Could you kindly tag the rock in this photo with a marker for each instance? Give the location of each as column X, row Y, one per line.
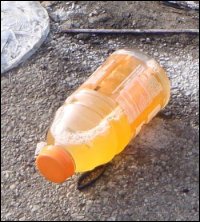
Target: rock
column 7, row 216
column 35, row 208
column 142, row 40
column 76, row 25
column 100, row 18
column 59, row 15
column 67, row 25
column 12, row 187
column 113, row 218
column 80, row 217
column 148, row 40
column 21, row 134
column 125, row 15
column 93, row 13
column 22, row 218
column 156, row 54
column 83, row 36
column 134, row 23
column 6, row 174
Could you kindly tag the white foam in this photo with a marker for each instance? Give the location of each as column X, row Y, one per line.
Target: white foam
column 68, row 137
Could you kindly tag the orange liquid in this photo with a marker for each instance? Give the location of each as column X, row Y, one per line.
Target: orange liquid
column 100, row 118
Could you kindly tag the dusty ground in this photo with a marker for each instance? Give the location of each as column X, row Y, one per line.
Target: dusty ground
column 157, row 176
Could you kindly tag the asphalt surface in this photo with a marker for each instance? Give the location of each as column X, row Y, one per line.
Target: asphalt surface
column 155, row 178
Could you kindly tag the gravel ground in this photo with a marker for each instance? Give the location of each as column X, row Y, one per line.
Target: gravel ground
column 156, row 177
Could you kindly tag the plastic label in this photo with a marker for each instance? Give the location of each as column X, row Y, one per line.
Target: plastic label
column 139, row 92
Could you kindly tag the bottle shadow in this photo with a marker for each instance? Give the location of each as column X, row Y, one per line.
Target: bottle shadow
column 161, row 159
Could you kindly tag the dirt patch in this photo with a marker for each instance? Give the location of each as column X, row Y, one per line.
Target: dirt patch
column 121, row 14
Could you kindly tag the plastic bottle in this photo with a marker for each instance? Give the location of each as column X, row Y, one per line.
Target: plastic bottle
column 100, row 118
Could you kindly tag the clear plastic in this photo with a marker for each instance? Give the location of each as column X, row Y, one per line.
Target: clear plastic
column 24, row 27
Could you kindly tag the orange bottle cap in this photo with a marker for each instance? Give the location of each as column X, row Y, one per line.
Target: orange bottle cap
column 55, row 164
